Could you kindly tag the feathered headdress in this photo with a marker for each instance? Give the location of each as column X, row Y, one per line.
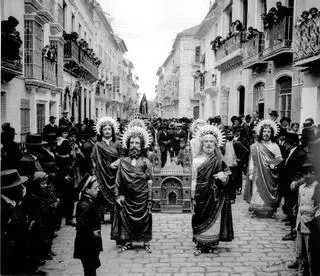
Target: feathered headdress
column 195, row 123
column 136, row 131
column 106, row 121
column 213, row 130
column 268, row 122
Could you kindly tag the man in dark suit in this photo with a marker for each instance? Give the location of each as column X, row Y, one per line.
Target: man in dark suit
column 236, row 158
column 64, row 121
column 179, row 134
column 164, row 139
column 296, row 157
column 50, row 128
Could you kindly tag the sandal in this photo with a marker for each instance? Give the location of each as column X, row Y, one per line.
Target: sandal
column 125, row 247
column 197, row 252
column 147, row 247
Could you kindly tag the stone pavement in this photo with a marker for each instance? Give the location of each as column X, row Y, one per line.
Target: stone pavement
column 256, row 250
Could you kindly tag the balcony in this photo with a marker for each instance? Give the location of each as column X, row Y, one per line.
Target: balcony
column 278, row 42
column 10, row 50
column 210, row 85
column 307, row 43
column 252, row 52
column 229, row 55
column 79, row 60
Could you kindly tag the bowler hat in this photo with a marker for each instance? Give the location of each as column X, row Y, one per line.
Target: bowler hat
column 11, row 178
column 34, row 140
column 274, row 113
column 234, row 118
column 52, row 117
column 65, row 111
column 292, row 138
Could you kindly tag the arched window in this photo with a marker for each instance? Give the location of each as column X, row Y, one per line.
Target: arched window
column 284, row 89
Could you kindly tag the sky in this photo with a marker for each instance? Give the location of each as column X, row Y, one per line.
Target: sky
column 149, row 28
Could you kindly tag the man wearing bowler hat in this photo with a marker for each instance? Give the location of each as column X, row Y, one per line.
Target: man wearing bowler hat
column 288, row 173
column 64, row 121
column 32, row 160
column 274, row 115
column 50, row 128
column 14, row 224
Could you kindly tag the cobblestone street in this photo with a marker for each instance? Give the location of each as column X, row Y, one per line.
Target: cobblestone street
column 256, row 250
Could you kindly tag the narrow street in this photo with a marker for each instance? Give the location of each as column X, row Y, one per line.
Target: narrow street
column 256, row 250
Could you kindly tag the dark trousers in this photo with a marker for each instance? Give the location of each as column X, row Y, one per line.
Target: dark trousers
column 66, row 194
column 236, row 181
column 90, row 265
column 289, row 207
column 163, row 158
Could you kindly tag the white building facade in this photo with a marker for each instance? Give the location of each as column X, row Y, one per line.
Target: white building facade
column 63, row 55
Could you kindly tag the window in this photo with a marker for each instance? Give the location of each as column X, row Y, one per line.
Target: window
column 116, row 84
column 258, row 95
column 33, row 49
column 285, row 93
column 72, row 23
column 245, row 13
column 3, row 107
column 197, row 54
column 241, row 90
column 80, row 30
column 40, row 117
column 64, row 15
column 228, row 12
column 25, row 116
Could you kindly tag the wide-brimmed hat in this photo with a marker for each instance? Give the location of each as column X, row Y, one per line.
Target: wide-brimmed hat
column 52, row 117
column 35, row 140
column 307, row 166
column 50, row 138
column 274, row 113
column 11, row 178
column 65, row 111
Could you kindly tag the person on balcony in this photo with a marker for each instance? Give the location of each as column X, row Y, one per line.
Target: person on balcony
column 283, row 11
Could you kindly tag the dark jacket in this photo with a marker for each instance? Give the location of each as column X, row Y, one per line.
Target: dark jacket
column 242, row 154
column 164, row 140
column 49, row 129
column 289, row 169
column 88, row 220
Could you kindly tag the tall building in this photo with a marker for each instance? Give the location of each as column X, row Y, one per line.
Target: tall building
column 175, row 89
column 253, row 61
column 61, row 55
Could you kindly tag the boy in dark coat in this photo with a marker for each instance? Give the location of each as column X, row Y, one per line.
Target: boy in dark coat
column 88, row 242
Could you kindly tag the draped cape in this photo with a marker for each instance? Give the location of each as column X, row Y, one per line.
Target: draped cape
column 103, row 155
column 135, row 220
column 211, row 202
column 265, row 179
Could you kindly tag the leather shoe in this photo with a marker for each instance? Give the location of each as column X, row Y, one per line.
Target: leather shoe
column 70, row 222
column 293, row 265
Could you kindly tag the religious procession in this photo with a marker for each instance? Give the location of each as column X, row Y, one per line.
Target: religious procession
column 197, row 159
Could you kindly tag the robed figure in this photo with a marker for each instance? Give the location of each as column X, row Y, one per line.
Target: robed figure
column 144, row 105
column 263, row 171
column 134, row 191
column 212, row 218
column 106, row 151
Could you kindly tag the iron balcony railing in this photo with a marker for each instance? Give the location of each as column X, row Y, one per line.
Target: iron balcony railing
column 253, row 49
column 307, row 39
column 231, row 45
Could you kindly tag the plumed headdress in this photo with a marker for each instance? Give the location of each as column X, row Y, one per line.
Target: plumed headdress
column 268, row 122
column 213, row 130
column 136, row 131
column 106, row 121
column 195, row 123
